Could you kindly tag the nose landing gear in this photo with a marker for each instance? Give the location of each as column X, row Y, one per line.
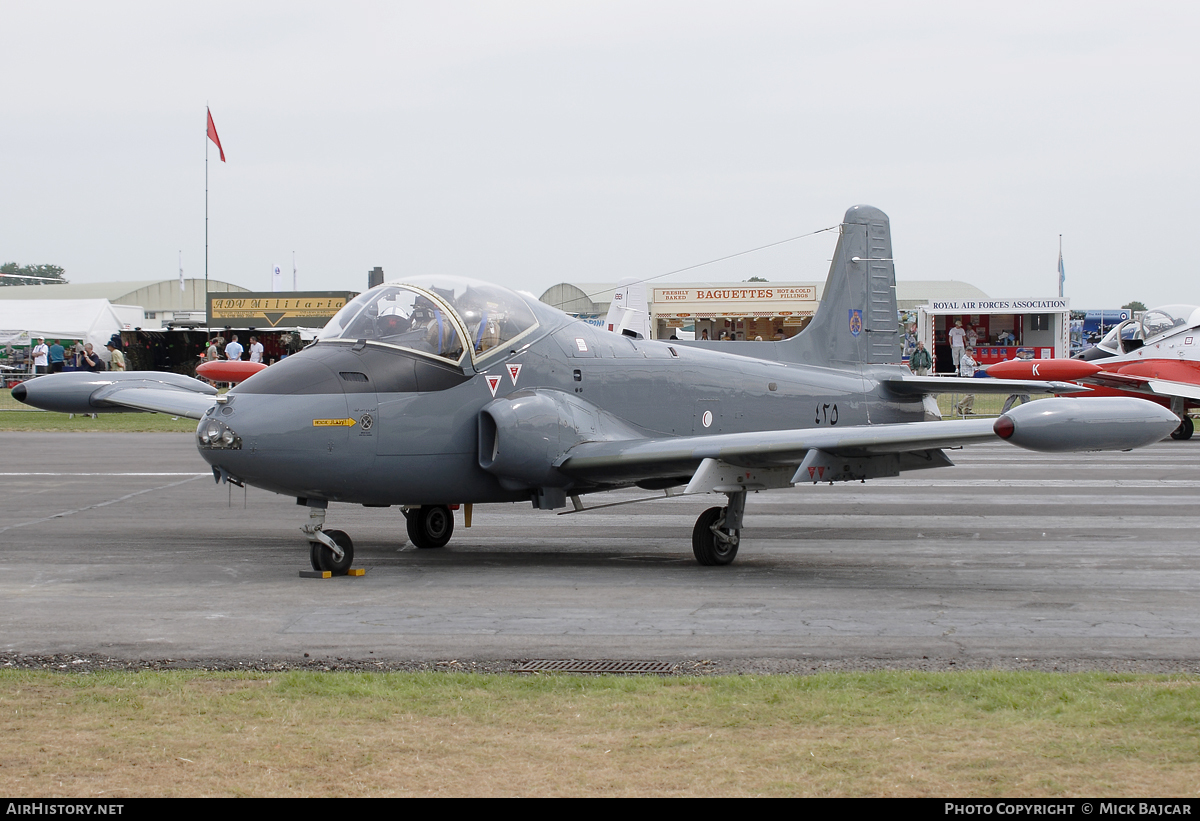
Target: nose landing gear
column 323, row 557
column 330, row 550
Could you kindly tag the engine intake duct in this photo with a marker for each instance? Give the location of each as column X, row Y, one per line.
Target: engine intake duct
column 523, row 435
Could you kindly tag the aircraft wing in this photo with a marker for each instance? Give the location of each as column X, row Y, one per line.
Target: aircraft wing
column 1143, row 384
column 159, row 400
column 680, row 456
column 151, row 391
column 1054, row 425
column 913, row 385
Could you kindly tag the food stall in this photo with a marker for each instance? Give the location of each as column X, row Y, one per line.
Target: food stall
column 1003, row 328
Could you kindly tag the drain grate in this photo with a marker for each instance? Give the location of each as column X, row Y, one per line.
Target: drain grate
column 601, row 666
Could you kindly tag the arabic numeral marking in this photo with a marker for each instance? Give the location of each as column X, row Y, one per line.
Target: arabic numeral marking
column 826, row 413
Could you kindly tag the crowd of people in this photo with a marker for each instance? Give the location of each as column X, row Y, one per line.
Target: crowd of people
column 55, row 357
column 218, row 348
column 962, row 350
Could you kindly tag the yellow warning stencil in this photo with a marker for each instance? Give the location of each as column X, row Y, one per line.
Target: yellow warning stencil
column 333, row 423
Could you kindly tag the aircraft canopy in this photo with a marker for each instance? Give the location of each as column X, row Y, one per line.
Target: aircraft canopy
column 434, row 316
column 1133, row 333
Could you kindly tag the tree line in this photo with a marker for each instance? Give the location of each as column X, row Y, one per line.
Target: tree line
column 16, row 274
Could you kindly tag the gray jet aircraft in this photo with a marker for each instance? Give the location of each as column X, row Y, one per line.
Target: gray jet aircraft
column 438, row 393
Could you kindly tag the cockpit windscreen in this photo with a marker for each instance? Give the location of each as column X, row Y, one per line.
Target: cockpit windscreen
column 434, row 318
column 1160, row 320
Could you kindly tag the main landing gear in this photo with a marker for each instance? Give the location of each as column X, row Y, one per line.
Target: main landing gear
column 1185, row 429
column 718, row 531
column 430, row 526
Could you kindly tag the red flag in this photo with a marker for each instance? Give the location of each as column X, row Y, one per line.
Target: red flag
column 212, row 135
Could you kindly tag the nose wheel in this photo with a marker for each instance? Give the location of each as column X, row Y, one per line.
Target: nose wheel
column 430, row 526
column 328, row 550
column 322, row 558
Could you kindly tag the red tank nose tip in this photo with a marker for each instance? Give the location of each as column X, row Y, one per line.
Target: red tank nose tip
column 1004, row 427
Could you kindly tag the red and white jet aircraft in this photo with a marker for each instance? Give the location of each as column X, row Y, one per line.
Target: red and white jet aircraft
column 1156, row 357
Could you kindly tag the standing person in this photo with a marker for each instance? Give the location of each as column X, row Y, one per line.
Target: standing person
column 212, row 353
column 966, row 367
column 117, row 361
column 41, row 354
column 958, row 342
column 920, row 362
column 89, row 360
column 1014, row 399
column 58, row 357
column 256, row 350
column 234, row 349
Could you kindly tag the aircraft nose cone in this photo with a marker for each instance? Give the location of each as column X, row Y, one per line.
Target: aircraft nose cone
column 19, row 392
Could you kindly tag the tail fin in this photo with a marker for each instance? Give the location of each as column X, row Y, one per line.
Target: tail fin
column 856, row 321
column 629, row 313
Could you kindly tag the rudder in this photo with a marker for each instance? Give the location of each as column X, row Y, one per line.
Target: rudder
column 856, row 321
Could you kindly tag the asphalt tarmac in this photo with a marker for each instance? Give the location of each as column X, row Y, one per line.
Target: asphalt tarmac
column 120, row 547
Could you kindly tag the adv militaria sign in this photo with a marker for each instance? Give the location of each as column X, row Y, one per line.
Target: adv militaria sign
column 306, row 309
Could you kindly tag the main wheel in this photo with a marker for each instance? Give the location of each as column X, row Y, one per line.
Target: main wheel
column 322, row 557
column 430, row 526
column 708, row 549
column 1185, row 429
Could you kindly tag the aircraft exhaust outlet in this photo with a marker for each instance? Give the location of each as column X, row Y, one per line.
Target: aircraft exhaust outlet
column 1100, row 423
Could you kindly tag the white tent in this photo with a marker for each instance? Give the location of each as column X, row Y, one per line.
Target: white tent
column 88, row 320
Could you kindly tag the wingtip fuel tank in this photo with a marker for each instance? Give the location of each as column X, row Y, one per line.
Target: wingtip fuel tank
column 1101, row 423
column 232, row 371
column 1050, row 370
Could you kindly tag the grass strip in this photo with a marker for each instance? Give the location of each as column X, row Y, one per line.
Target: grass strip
column 982, row 734
column 41, row 421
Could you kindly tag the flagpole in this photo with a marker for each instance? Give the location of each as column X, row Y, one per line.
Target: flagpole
column 1061, row 274
column 206, row 216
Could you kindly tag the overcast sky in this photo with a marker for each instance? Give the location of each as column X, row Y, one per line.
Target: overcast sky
column 530, row 143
